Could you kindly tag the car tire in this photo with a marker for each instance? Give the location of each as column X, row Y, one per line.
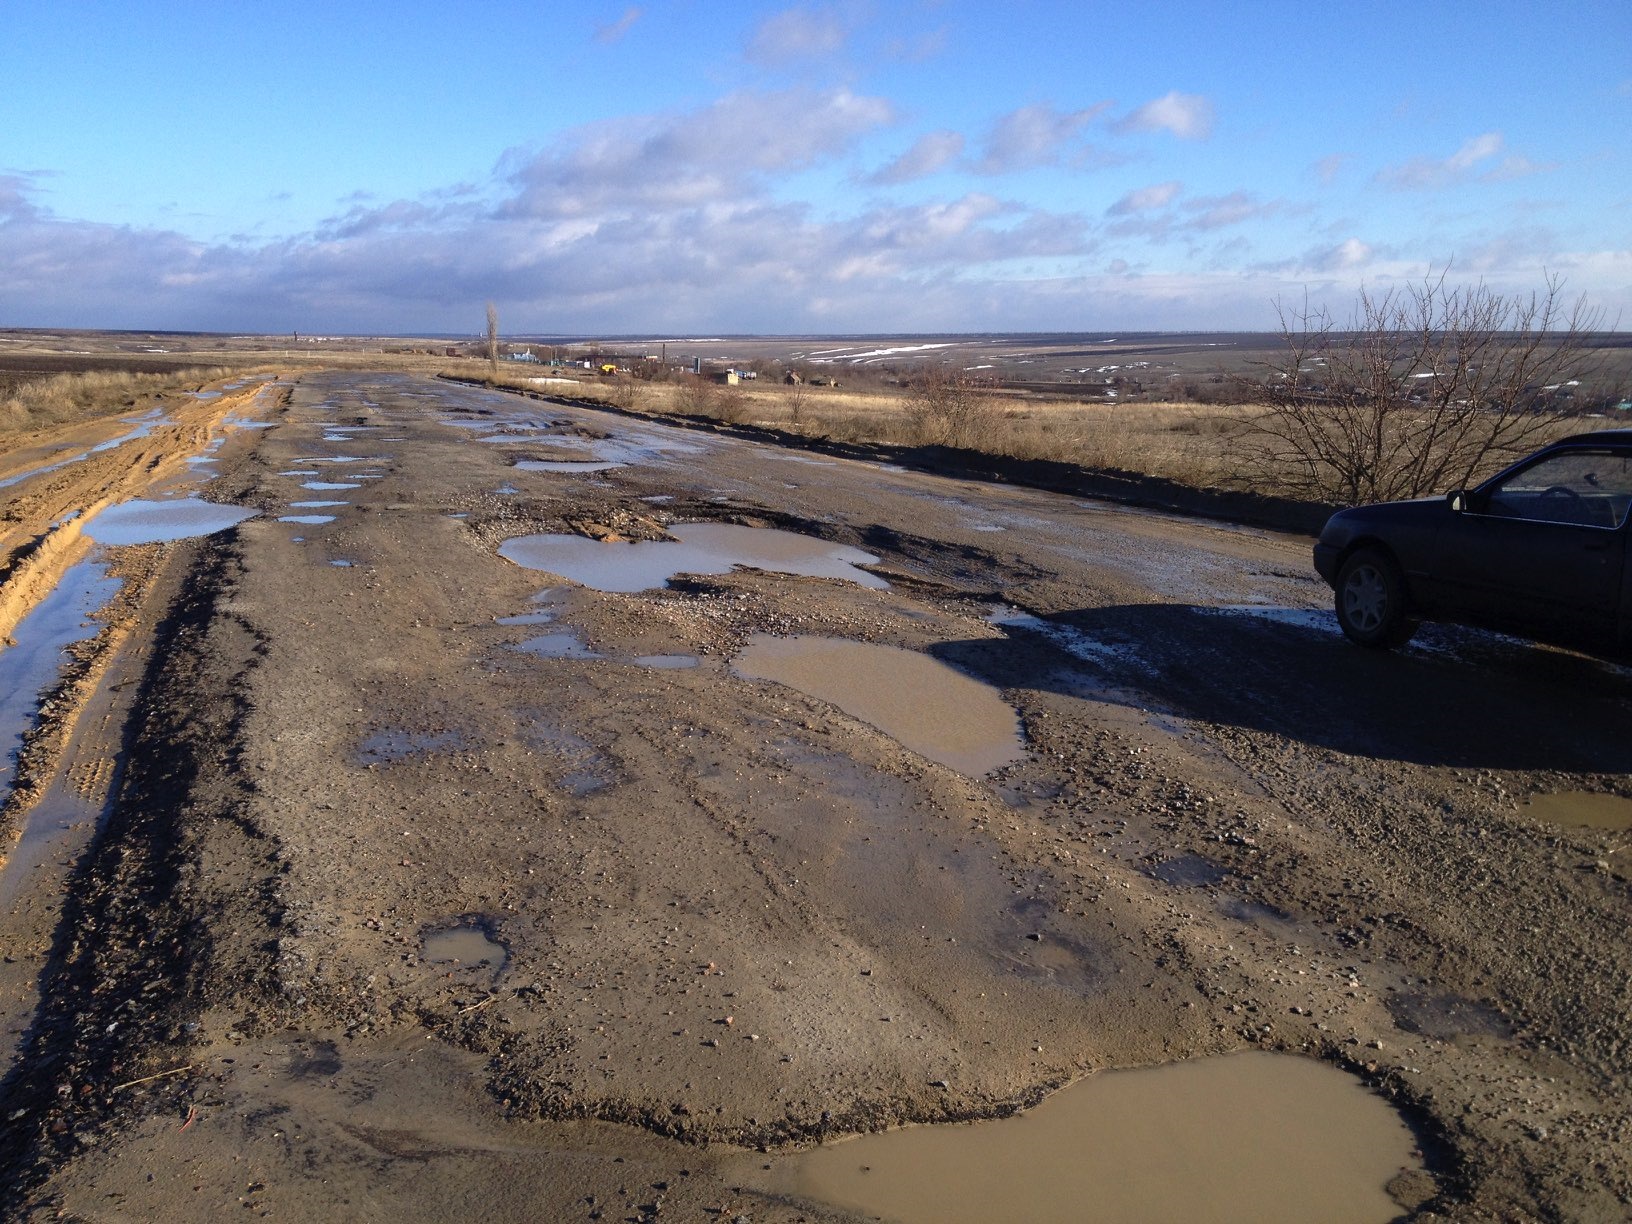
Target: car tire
column 1371, row 600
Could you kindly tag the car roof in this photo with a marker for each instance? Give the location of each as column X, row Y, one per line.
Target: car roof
column 1599, row 437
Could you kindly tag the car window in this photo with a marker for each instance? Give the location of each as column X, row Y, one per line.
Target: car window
column 1591, row 488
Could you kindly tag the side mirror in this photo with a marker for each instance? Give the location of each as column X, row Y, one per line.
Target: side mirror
column 1457, row 500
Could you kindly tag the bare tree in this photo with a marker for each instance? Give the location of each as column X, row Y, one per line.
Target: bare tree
column 1429, row 386
column 797, row 398
column 493, row 341
column 950, row 407
column 730, row 405
column 696, row 396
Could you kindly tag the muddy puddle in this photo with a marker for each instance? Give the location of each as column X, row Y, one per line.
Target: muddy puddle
column 61, row 819
column 543, row 608
column 36, row 657
column 667, row 662
column 1246, row 1137
column 526, row 618
column 700, row 548
column 1582, row 810
column 565, row 465
column 563, row 645
column 329, row 486
column 581, row 768
column 308, row 520
column 155, row 522
column 1190, row 871
column 466, row 947
column 144, row 424
column 395, row 744
column 922, row 703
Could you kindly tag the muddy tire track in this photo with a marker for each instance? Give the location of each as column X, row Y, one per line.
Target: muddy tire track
column 141, row 929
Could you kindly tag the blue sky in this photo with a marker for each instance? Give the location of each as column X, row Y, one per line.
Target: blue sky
column 862, row 165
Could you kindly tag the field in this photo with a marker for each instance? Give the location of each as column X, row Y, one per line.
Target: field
column 1161, row 405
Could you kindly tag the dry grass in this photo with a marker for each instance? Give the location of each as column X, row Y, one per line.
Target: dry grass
column 63, row 398
column 1198, row 445
column 1184, row 442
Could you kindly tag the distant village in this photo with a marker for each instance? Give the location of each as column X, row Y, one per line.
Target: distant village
column 651, row 366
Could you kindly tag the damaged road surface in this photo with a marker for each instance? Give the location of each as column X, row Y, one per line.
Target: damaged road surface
column 540, row 813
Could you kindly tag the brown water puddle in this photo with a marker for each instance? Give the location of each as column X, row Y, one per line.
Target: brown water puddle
column 931, row 708
column 465, row 946
column 1247, row 1137
column 697, row 548
column 1583, row 810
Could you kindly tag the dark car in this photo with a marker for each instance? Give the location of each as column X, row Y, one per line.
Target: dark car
column 1539, row 550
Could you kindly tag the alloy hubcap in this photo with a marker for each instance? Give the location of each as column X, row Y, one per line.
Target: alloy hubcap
column 1365, row 599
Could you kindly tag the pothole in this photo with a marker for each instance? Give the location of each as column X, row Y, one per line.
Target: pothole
column 1583, row 810
column 920, row 702
column 698, row 548
column 394, row 744
column 1246, row 1137
column 666, row 662
column 155, row 522
column 464, row 946
column 564, row 645
column 1190, row 870
column 565, row 465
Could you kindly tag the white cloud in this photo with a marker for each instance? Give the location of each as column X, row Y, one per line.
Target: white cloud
column 613, row 31
column 679, row 220
column 930, row 153
column 1471, row 162
column 1474, row 151
column 1187, row 116
column 710, row 155
column 1145, row 199
column 796, row 33
column 1349, row 254
column 1515, row 166
column 1328, row 168
column 915, row 48
column 15, row 204
column 1032, row 136
column 1216, row 212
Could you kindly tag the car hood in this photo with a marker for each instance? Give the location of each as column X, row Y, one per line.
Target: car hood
column 1420, row 511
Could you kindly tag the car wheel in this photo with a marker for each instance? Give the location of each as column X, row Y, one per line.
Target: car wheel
column 1370, row 601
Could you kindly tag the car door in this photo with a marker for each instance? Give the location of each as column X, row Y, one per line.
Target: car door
column 1541, row 550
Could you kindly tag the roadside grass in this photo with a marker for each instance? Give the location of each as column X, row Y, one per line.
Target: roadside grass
column 59, row 399
column 1200, row 446
column 1184, row 442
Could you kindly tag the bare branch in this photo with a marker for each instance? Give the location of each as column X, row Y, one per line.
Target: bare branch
column 1431, row 386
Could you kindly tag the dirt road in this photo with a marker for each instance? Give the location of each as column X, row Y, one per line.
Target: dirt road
column 440, row 883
